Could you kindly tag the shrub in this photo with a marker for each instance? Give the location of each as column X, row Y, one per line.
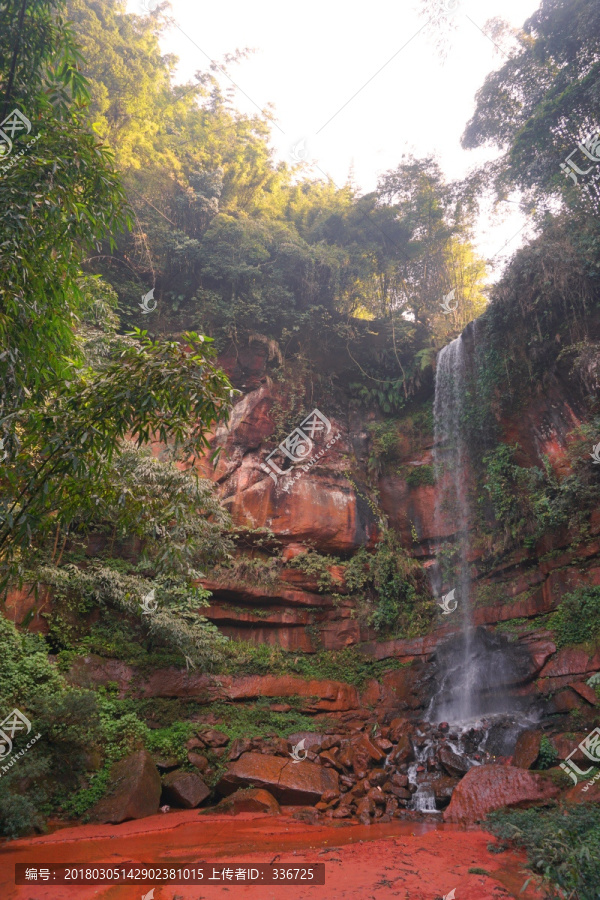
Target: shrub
column 67, row 719
column 415, row 476
column 547, row 756
column 403, row 605
column 317, row 566
column 577, row 619
column 347, row 665
column 562, row 844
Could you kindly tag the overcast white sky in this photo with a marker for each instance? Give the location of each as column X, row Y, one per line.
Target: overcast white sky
column 312, row 57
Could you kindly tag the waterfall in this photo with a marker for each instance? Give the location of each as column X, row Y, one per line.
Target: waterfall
column 452, row 569
column 475, row 667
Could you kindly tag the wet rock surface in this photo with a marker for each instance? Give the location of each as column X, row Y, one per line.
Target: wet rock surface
column 485, row 788
column 248, row 800
column 527, row 749
column 288, row 781
column 183, row 789
column 133, row 793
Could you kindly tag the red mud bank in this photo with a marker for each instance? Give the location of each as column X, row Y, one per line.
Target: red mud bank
column 406, row 860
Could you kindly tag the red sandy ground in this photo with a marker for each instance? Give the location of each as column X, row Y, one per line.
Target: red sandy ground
column 408, row 860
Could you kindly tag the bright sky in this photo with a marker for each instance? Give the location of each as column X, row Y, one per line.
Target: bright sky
column 355, row 86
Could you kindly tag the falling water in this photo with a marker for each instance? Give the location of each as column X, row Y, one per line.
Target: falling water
column 452, row 570
column 476, row 667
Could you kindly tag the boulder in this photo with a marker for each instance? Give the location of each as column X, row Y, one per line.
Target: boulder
column 198, row 760
column 248, row 800
column 133, row 792
column 399, row 780
column 342, row 812
column 400, row 792
column 239, row 746
column 164, row 763
column 366, row 746
column 404, row 752
column 214, row 738
column 184, row 789
column 527, row 749
column 565, row 744
column 584, row 690
column 290, row 782
column 485, row 788
column 312, row 739
column 360, row 762
column 365, row 808
column 443, row 787
column 452, row 762
column 330, row 757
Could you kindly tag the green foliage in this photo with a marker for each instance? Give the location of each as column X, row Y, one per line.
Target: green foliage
column 348, row 665
column 402, row 603
column 540, row 103
column 66, row 447
column 243, row 720
column 56, row 210
column 384, row 444
column 388, row 586
column 250, row 571
column 388, row 396
column 513, row 627
column 547, row 756
column 67, row 719
column 528, row 502
column 316, row 565
column 562, row 844
column 122, row 731
column 253, row 251
column 416, row 476
column 70, row 393
column 176, row 622
column 577, row 619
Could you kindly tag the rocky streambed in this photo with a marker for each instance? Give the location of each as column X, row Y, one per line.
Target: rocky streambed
column 368, row 774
